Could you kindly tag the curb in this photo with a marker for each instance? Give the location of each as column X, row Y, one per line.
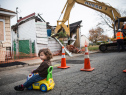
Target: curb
column 27, row 64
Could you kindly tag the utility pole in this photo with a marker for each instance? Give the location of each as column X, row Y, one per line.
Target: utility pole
column 17, row 45
column 17, row 22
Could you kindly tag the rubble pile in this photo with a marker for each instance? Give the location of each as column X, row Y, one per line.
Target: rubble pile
column 73, row 49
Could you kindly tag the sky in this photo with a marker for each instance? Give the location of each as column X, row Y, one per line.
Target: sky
column 50, row 10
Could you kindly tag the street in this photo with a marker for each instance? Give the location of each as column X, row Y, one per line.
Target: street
column 106, row 79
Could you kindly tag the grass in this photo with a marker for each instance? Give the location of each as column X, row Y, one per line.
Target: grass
column 93, row 48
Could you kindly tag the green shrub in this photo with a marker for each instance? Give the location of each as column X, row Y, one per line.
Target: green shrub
column 62, row 34
column 98, row 43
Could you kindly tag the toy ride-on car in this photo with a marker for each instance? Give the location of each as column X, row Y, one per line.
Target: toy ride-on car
column 45, row 84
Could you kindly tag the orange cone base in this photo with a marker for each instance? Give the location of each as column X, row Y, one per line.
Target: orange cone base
column 124, row 71
column 91, row 69
column 63, row 67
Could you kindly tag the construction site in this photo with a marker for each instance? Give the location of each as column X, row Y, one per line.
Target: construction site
column 41, row 34
column 21, row 43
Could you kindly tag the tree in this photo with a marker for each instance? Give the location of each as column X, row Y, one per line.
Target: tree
column 106, row 21
column 94, row 34
column 103, row 38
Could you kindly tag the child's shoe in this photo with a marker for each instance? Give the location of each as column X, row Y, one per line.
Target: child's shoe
column 19, row 88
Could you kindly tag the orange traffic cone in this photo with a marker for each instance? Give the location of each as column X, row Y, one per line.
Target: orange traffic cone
column 124, row 71
column 87, row 66
column 63, row 60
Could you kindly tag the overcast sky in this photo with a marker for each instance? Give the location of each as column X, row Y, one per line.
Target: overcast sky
column 51, row 10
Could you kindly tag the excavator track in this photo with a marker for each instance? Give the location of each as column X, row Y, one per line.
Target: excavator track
column 110, row 47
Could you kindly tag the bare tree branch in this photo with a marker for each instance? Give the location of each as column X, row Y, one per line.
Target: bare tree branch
column 107, row 21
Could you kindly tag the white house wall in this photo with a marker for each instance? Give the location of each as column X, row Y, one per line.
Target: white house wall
column 14, row 35
column 41, row 35
column 54, row 45
column 42, row 40
column 41, row 32
column 84, row 41
column 37, row 31
column 27, row 30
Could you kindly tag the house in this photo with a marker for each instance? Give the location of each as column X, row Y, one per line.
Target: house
column 5, row 33
column 84, row 41
column 75, row 34
column 30, row 35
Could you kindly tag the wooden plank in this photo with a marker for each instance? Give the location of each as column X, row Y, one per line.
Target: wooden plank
column 41, row 29
column 41, row 35
column 54, row 45
column 41, row 32
column 41, row 23
column 54, row 42
column 54, row 49
column 42, row 46
column 42, row 40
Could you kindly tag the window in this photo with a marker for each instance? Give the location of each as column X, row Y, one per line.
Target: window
column 2, row 30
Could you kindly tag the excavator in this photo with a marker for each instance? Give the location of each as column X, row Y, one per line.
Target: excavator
column 100, row 7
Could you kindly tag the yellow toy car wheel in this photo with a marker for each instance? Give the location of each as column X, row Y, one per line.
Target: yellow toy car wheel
column 43, row 88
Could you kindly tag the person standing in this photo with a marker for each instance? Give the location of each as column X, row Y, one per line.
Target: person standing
column 120, row 41
column 124, row 27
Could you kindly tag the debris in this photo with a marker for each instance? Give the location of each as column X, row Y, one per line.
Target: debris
column 73, row 49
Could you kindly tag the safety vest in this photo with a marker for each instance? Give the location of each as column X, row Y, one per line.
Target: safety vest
column 119, row 35
column 124, row 26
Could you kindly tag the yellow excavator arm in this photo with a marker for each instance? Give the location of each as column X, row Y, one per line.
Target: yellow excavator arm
column 96, row 5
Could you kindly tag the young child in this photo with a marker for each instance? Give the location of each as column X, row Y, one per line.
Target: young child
column 44, row 55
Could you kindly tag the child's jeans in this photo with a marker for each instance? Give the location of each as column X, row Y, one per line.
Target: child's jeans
column 32, row 80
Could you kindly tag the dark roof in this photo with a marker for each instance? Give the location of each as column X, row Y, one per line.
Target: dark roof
column 74, row 25
column 5, row 10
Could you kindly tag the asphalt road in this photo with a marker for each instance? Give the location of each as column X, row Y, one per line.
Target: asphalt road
column 106, row 79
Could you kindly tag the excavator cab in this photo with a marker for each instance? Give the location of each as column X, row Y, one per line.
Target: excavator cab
column 113, row 46
column 119, row 24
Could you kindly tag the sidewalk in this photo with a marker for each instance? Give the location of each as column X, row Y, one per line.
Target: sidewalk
column 8, row 66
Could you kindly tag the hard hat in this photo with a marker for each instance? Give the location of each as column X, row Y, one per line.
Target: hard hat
column 124, row 23
column 119, row 29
